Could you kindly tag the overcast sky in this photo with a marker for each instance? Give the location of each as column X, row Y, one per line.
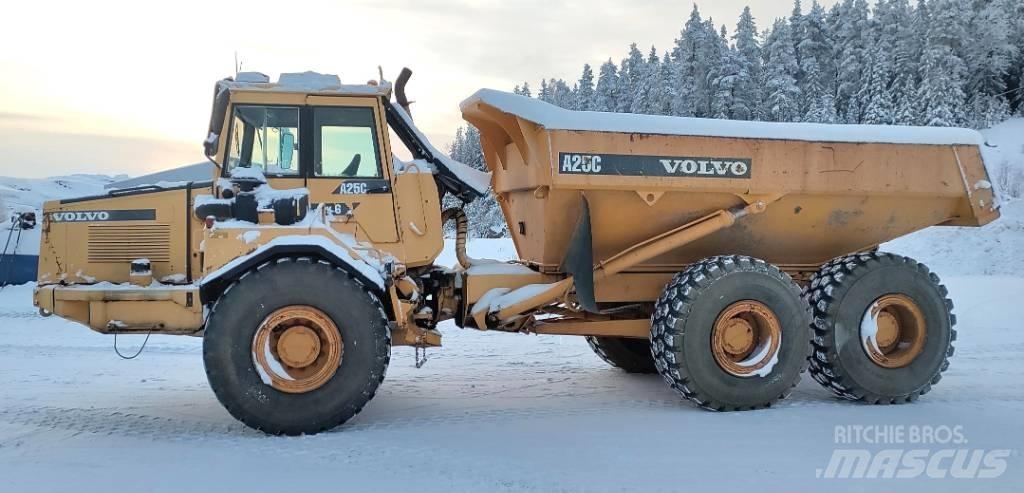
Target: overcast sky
column 125, row 87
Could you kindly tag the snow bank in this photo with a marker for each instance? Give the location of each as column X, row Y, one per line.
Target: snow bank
column 1004, row 157
column 997, row 248
column 555, row 118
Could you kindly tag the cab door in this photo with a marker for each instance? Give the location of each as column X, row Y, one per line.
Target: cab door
column 348, row 172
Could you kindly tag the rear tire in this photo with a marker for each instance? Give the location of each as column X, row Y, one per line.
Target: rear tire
column 628, row 354
column 845, row 360
column 749, row 369
column 256, row 396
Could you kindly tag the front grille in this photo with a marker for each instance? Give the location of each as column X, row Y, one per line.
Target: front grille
column 116, row 243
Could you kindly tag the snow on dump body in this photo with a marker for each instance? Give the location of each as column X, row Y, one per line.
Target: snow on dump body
column 554, row 118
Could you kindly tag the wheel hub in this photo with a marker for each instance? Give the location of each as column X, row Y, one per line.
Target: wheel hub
column 298, row 346
column 893, row 331
column 297, row 349
column 738, row 337
column 745, row 339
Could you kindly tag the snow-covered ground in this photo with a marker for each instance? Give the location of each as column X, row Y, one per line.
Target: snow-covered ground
column 488, row 412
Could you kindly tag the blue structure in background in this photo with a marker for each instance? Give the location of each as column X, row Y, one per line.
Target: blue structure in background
column 19, row 260
column 18, row 269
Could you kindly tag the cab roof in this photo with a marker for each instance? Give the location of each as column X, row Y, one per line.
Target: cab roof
column 303, row 83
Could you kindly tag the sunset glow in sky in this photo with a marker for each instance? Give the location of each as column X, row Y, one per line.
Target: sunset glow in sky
column 125, row 87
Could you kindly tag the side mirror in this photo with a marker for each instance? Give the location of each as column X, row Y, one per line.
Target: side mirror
column 287, row 148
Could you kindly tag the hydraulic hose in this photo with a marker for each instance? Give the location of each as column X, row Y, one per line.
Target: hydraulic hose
column 461, row 232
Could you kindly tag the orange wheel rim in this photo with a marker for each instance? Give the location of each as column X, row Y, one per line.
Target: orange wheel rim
column 297, row 349
column 893, row 331
column 745, row 339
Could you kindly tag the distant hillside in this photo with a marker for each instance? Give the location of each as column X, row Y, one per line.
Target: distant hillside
column 28, row 194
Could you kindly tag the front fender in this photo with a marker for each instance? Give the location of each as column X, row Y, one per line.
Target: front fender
column 213, row 284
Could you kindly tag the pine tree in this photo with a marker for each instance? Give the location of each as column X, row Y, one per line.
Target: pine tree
column 906, row 108
column 748, row 89
column 782, row 103
column 523, row 90
column 695, row 53
column 585, row 89
column 875, row 97
column 485, row 216
column 606, row 91
column 817, row 68
column 851, row 39
column 943, row 71
column 623, row 89
column 545, row 91
column 1015, row 77
column 655, row 85
column 798, row 31
column 635, row 69
column 724, row 103
column 668, row 92
column 988, row 56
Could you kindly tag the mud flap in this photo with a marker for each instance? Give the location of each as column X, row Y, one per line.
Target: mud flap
column 579, row 259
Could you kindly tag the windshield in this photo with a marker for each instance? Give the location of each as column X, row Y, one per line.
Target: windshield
column 266, row 137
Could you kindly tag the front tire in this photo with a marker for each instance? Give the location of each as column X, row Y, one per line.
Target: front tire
column 296, row 346
column 731, row 333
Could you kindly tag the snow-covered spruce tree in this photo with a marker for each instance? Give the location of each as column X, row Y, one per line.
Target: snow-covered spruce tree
column 545, row 91
column 747, row 87
column 485, row 217
column 623, row 89
column 875, row 97
column 561, row 94
column 1015, row 77
column 726, row 77
column 668, row 90
column 852, row 38
column 943, row 72
column 607, row 89
column 696, row 52
column 904, row 27
column 655, row 99
column 797, row 32
column 988, row 56
column 585, row 89
column 782, row 101
column 817, row 68
column 633, row 75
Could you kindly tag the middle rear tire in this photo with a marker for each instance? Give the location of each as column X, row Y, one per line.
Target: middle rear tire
column 628, row 354
column 731, row 333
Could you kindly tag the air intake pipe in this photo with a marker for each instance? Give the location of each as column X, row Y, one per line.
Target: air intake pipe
column 461, row 232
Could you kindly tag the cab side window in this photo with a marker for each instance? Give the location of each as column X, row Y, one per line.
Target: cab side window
column 266, row 137
column 347, row 145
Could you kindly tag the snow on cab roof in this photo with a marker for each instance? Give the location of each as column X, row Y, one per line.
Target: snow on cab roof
column 304, row 82
column 555, row 118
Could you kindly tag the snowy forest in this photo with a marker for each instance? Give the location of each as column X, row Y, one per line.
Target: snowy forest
column 935, row 63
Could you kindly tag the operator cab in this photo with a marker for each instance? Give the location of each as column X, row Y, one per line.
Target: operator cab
column 312, row 133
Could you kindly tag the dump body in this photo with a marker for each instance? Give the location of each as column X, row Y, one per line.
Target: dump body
column 831, row 189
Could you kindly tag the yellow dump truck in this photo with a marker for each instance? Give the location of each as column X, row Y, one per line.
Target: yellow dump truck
column 727, row 256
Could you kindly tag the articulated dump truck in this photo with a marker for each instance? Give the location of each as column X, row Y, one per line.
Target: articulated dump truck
column 729, row 257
